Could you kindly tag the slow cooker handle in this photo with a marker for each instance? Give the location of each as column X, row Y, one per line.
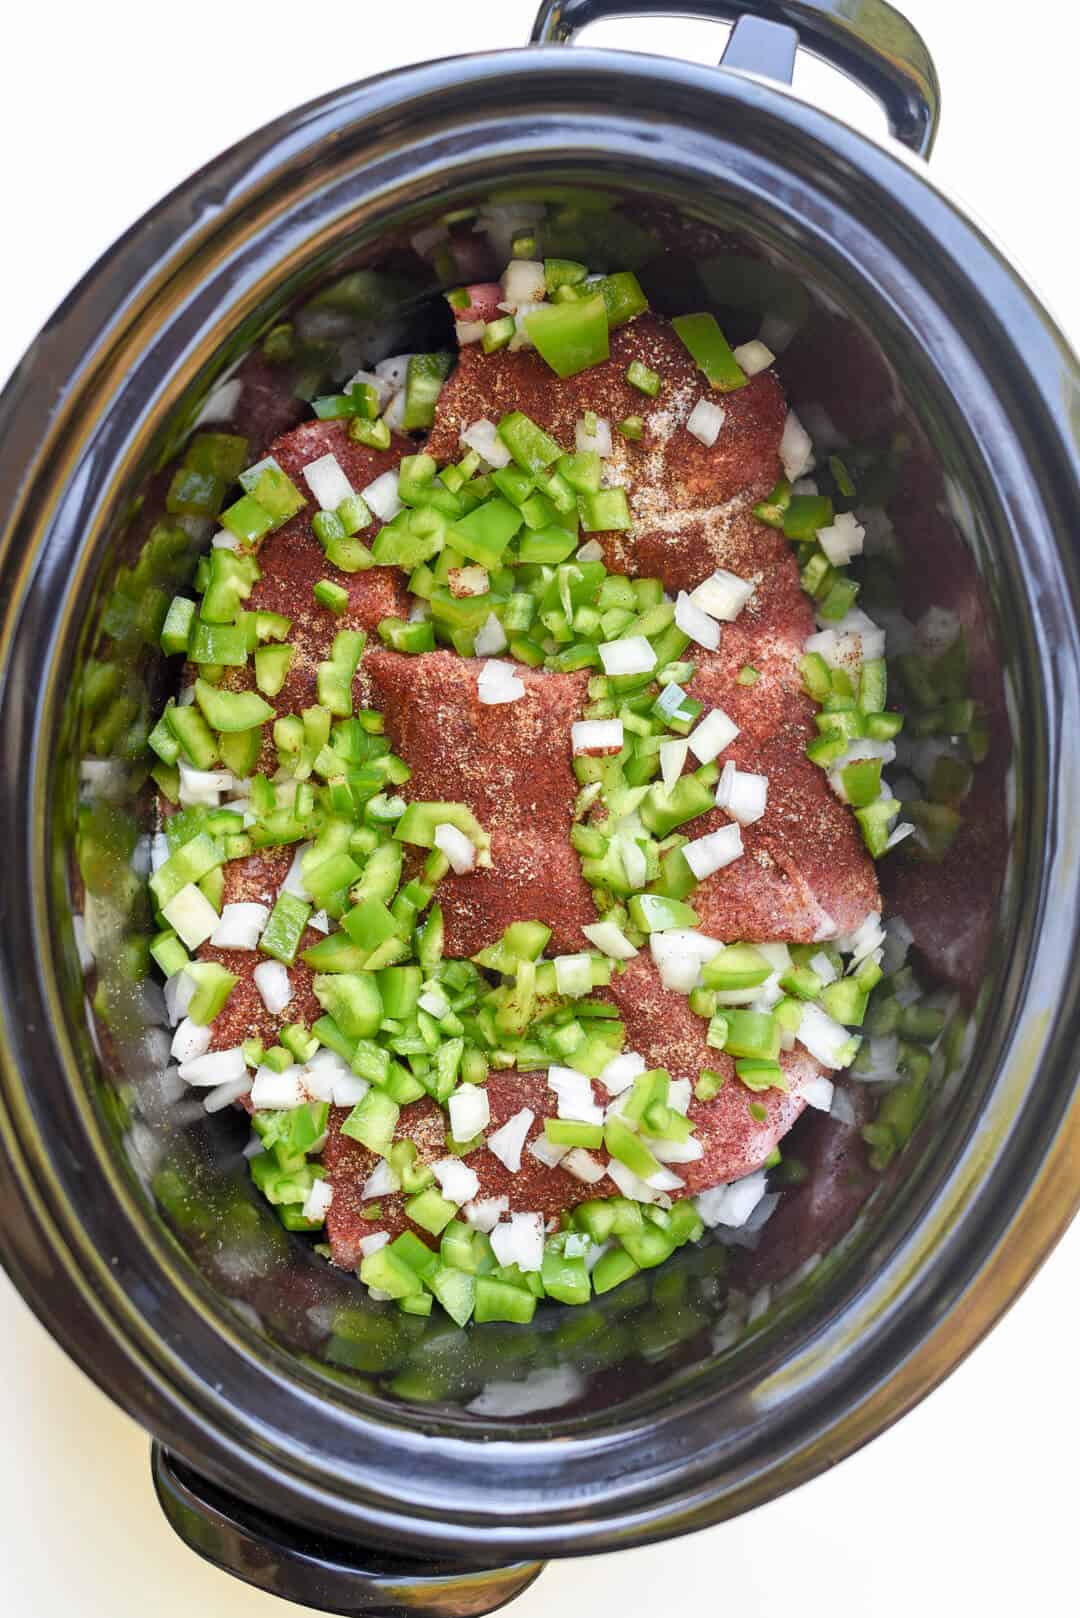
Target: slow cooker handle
column 869, row 41
column 330, row 1575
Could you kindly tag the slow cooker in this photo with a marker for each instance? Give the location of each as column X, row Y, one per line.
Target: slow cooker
column 303, row 1439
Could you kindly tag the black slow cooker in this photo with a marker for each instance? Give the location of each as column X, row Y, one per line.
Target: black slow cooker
column 303, row 1439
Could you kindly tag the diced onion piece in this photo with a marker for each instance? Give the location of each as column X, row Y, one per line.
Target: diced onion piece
column 452, row 842
column 600, row 440
column 577, row 1244
column 191, row 916
column 583, row 1166
column 372, row 1244
column 742, row 793
column 470, row 1111
column 828, row 1041
column 221, row 404
column 715, row 732
column 621, row 1071
column 498, row 682
column 545, row 1151
column 294, row 881
column 796, row 449
column 670, row 699
column 216, row 1067
column 485, row 1214
column 240, row 926
column 843, row 1108
column 575, row 1093
column 371, row 379
column 708, row 854
column 672, row 758
column 394, row 414
column 468, row 331
column 327, row 481
column 190, row 1041
column 272, row 981
column 349, row 1089
column 821, row 964
column 818, row 1093
column 520, row 1241
column 676, row 1151
column 273, row 1090
column 523, row 282
column 508, row 1142
column 435, row 1003
column 902, row 829
column 680, row 954
column 753, row 357
column 665, row 1180
column 842, row 540
column 591, row 551
column 731, row 1204
column 868, row 936
column 223, row 1095
column 203, row 788
column 224, row 542
column 679, row 1093
column 573, row 974
column 179, row 993
column 382, row 496
column 631, row 1186
column 630, row 655
column 695, row 623
column 483, row 437
column 457, row 1181
column 490, row 637
column 610, row 940
column 381, row 1182
column 318, row 1202
column 597, row 736
column 705, row 422
column 320, row 921
column 722, row 595
column 319, row 1074
column 394, row 370
column 633, row 859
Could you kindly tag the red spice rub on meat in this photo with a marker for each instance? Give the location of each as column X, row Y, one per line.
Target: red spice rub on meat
column 691, row 504
column 511, row 764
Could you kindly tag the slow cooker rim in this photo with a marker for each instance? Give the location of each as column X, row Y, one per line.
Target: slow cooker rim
column 259, row 147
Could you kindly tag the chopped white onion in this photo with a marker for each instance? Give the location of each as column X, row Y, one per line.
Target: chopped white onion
column 610, row 940
column 630, row 655
column 715, row 732
column 708, row 854
column 705, row 422
column 394, row 414
column 349, row 1089
column 575, row 1093
column 320, row 921
column 695, row 623
column 680, row 954
column 573, row 974
column 821, row 964
column 318, row 1201
column 221, row 404
column 676, row 1151
column 179, row 993
column 583, row 1166
column 672, row 758
column 468, row 581
column 224, row 1095
column 546, row 1151
column 796, row 449
column 382, row 496
column 731, row 1204
column 372, row 1244
column 591, row 551
column 240, row 926
column 490, row 637
column 753, row 357
column 523, row 281
column 485, row 1214
column 679, row 1093
column 631, row 1186
column 394, row 370
column 203, row 787
column 868, row 936
column 273, row 1090
column 215, row 1067
column 902, row 829
column 520, row 1241
column 457, row 1181
column 470, row 1111
column 600, row 440
column 498, row 682
column 508, row 1142
column 381, row 1182
column 224, row 542
column 294, row 881
column 635, row 866
column 371, row 379
column 468, row 331
column 327, row 482
column 435, row 1003
column 190, row 1040
column 272, row 981
column 483, row 437
column 665, row 1180
column 842, row 540
column 818, row 1093
column 459, row 850
column 621, row 1071
column 742, row 793
column 191, row 916
column 597, row 736
column 722, row 595
column 827, row 1040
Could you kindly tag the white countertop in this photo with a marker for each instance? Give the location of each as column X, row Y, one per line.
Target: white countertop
column 964, row 1507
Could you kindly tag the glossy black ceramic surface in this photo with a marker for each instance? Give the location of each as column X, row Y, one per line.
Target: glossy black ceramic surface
column 129, row 1225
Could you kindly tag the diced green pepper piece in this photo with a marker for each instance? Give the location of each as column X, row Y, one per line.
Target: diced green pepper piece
column 428, row 1209
column 530, row 446
column 176, row 630
column 752, row 1033
column 231, row 710
column 499, row 1300
column 654, row 913
column 423, row 383
column 372, row 1122
column 639, row 376
column 710, row 351
column 272, row 664
column 612, row 1269
column 570, row 337
column 565, row 1279
column 607, row 510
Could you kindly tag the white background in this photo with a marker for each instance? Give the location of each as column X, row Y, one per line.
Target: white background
column 967, row 1506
